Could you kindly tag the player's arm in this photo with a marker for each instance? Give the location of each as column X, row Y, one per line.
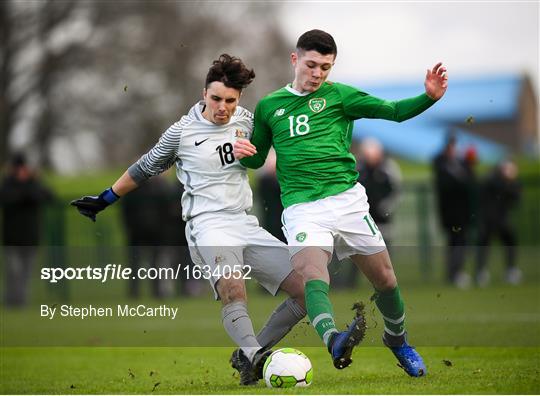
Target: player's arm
column 358, row 104
column 252, row 154
column 160, row 158
column 91, row 205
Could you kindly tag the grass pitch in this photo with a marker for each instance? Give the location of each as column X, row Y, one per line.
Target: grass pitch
column 474, row 342
column 189, row 370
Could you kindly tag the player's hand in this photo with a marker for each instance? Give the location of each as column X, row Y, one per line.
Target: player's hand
column 243, row 148
column 436, row 81
column 90, row 206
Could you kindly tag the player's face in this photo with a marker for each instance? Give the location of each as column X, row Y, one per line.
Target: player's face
column 310, row 69
column 221, row 102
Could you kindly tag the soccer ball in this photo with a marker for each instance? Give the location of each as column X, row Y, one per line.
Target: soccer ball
column 287, row 368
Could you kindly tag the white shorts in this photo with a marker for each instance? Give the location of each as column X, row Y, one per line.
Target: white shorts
column 340, row 221
column 223, row 242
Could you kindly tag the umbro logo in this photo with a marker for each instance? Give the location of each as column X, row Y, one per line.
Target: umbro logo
column 201, row 142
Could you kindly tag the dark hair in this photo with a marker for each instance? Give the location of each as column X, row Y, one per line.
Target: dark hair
column 231, row 71
column 317, row 40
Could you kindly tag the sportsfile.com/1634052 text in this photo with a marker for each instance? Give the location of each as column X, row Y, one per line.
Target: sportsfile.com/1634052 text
column 120, row 272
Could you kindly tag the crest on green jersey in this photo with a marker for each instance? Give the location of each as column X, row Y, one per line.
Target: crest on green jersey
column 301, row 236
column 317, row 104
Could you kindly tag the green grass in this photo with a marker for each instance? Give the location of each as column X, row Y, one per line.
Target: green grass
column 491, row 337
column 73, row 186
column 205, row 371
column 500, row 316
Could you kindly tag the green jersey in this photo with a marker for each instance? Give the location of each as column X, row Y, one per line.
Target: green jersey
column 312, row 136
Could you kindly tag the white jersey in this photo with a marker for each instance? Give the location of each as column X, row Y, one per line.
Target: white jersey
column 213, row 179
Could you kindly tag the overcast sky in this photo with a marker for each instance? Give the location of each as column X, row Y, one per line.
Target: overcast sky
column 387, row 41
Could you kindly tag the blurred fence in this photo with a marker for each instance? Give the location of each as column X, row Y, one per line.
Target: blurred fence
column 416, row 223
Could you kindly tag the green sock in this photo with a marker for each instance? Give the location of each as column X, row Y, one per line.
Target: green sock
column 319, row 308
column 392, row 308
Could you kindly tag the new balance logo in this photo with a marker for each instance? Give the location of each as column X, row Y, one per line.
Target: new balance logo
column 279, row 113
column 201, row 142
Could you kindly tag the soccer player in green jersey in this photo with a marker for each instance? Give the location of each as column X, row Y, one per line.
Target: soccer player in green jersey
column 309, row 123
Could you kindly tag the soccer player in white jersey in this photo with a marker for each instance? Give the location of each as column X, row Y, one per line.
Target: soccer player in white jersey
column 220, row 234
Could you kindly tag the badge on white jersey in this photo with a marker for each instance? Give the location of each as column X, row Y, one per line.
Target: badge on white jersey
column 240, row 133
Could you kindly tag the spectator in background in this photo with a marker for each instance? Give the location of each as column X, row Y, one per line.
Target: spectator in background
column 175, row 246
column 470, row 161
column 145, row 212
column 500, row 192
column 269, row 194
column 452, row 185
column 22, row 196
column 381, row 178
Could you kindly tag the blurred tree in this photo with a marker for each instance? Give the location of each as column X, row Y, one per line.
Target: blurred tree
column 30, row 66
column 6, row 108
column 102, row 80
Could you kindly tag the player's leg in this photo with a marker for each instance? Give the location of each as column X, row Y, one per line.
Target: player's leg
column 309, row 231
column 235, row 317
column 311, row 263
column 378, row 270
column 218, row 261
column 231, row 292
column 267, row 260
column 238, row 325
column 287, row 314
column 311, row 246
column 359, row 238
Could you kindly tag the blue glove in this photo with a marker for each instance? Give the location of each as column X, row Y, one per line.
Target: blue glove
column 90, row 206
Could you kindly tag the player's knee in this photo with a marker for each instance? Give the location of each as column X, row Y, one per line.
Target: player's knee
column 300, row 266
column 293, row 285
column 310, row 270
column 231, row 290
column 387, row 280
